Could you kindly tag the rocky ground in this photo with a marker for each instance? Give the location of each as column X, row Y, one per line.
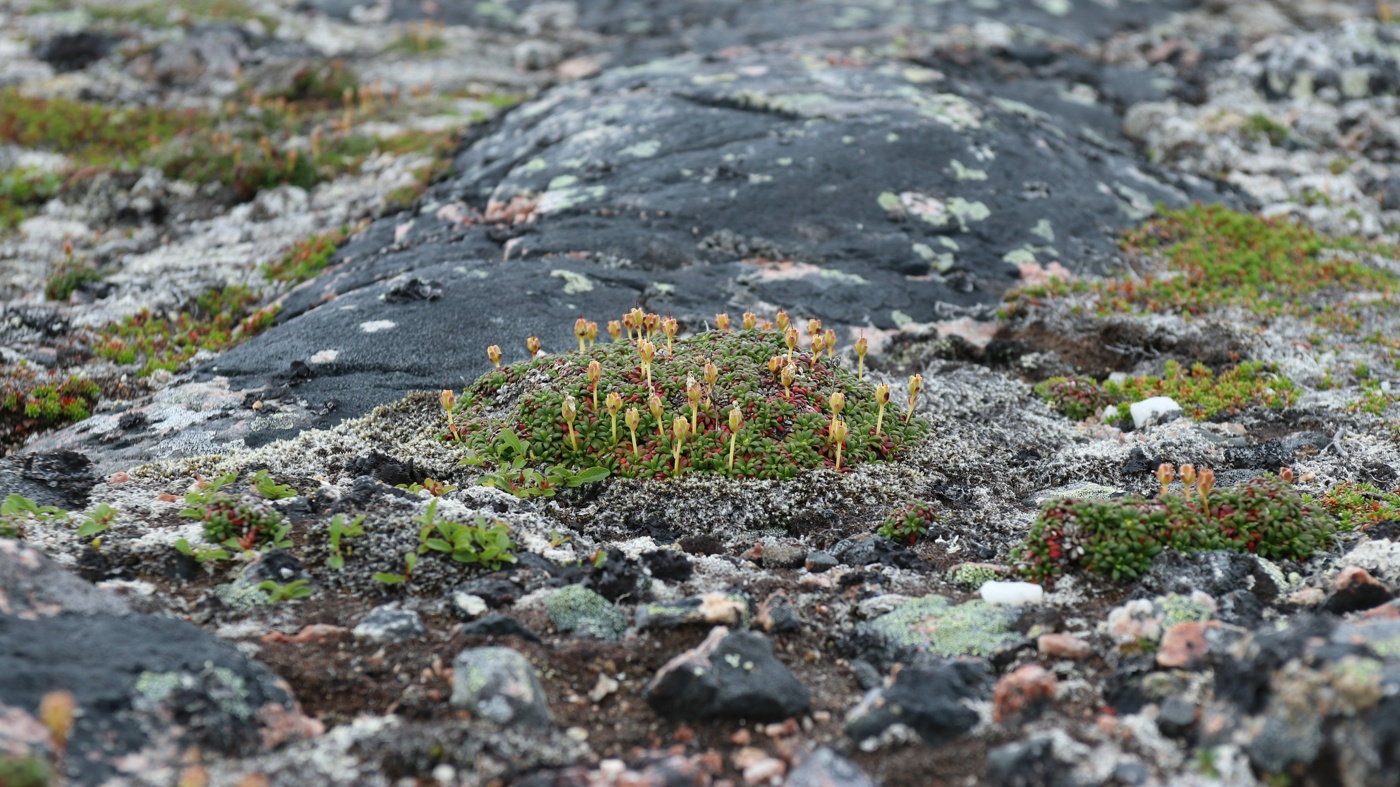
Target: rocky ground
column 276, row 516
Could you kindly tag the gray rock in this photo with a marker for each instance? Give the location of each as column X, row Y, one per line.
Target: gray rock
column 144, row 682
column 729, row 675
column 783, row 554
column 389, row 623
column 714, row 609
column 32, row 585
column 826, row 768
column 501, row 685
column 820, row 562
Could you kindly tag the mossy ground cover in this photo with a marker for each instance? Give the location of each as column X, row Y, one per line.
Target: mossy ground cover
column 1202, row 394
column 33, row 400
column 1118, row 538
column 254, row 143
column 215, row 321
column 1212, row 257
column 783, row 430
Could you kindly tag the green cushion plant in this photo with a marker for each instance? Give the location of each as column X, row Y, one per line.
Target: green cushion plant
column 553, row 418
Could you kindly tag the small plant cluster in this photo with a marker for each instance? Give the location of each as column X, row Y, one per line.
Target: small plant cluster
column 1361, row 504
column 306, row 258
column 484, row 543
column 233, row 521
column 33, row 402
column 1118, row 538
column 1201, row 393
column 68, row 274
column 302, row 137
column 1217, row 257
column 17, row 511
column 23, row 190
column 216, row 321
column 748, row 403
column 910, row 524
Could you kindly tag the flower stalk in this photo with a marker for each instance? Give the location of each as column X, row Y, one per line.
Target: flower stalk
column 570, row 409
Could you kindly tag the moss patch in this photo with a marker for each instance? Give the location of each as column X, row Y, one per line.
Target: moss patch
column 1201, row 393
column 216, row 321
column 32, row 402
column 933, row 625
column 1212, row 256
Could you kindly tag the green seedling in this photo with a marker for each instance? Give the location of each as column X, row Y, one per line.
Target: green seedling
column 289, row 592
column 410, row 561
column 339, row 531
column 269, row 489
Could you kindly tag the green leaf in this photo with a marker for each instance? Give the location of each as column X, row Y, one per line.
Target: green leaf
column 512, row 442
column 390, row 579
column 588, row 475
column 183, row 547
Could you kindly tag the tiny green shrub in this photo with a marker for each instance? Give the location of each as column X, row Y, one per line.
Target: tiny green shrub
column 217, row 320
column 483, row 543
column 1118, row 538
column 17, row 511
column 1360, row 504
column 547, row 422
column 306, row 258
column 909, row 525
column 234, row 521
column 339, row 531
column 1201, row 393
column 31, row 402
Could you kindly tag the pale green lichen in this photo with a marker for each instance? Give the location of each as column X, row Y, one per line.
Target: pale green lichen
column 576, row 608
column 1177, row 608
column 934, row 625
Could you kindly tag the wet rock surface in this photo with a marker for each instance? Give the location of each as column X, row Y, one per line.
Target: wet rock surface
column 243, row 534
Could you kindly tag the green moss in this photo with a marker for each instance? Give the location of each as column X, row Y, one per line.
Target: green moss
column 1260, row 126
column 933, row 625
column 22, row 191
column 782, row 434
column 164, row 15
column 24, row 771
column 1119, row 538
column 216, row 321
column 1177, row 608
column 1215, row 257
column 32, row 402
column 973, row 575
column 1201, row 393
column 576, row 608
column 306, row 258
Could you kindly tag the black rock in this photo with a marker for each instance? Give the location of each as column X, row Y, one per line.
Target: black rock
column 276, row 565
column 495, row 591
column 821, row 562
column 617, row 577
column 1240, row 608
column 499, row 626
column 1030, row 763
column 75, row 51
column 866, row 549
column 928, row 697
column 729, row 675
column 669, row 565
column 1270, row 455
column 68, row 473
column 384, row 468
column 410, row 290
column 390, row 623
column 1139, row 462
column 1388, row 530
column 1355, row 590
column 1214, row 573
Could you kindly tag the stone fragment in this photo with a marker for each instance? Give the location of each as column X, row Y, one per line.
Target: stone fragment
column 390, row 623
column 826, row 768
column 1024, row 692
column 1063, row 646
column 1152, row 409
column 783, row 554
column 776, row 615
column 1354, row 590
column 820, row 562
column 931, row 698
column 731, row 675
column 501, row 685
column 1176, row 717
column 714, row 609
column 935, row 626
column 1012, row 594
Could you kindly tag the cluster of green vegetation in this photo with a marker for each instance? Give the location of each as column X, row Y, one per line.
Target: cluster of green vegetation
column 21, row 191
column 234, row 521
column 182, row 12
column 1218, row 257
column 216, row 321
column 251, row 146
column 909, row 524
column 1201, row 393
column 1118, row 538
column 1360, row 504
column 33, row 402
column 746, row 404
column 1260, row 126
column 306, row 258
